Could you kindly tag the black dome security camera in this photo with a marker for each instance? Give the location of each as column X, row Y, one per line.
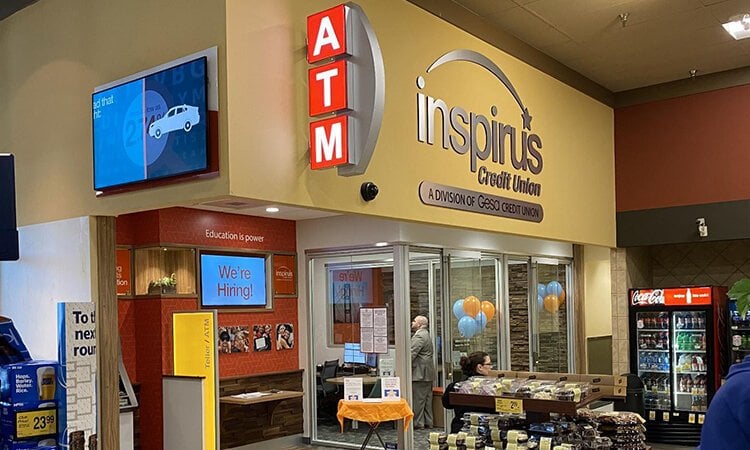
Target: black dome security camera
column 368, row 191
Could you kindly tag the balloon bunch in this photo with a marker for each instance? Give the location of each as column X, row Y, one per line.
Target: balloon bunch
column 472, row 315
column 550, row 296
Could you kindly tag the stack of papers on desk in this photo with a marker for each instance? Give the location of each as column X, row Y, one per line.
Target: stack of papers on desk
column 247, row 395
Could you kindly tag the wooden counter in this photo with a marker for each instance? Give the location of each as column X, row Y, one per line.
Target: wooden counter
column 270, row 397
column 244, row 421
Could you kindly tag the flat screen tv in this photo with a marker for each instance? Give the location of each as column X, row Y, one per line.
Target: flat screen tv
column 234, row 280
column 153, row 127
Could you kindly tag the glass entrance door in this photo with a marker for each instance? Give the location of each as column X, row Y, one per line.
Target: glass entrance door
column 426, row 307
column 339, row 286
column 539, row 331
column 551, row 316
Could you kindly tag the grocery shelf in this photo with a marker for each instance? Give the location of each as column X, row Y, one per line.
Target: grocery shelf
column 690, row 393
column 689, row 351
column 653, row 371
column 652, row 350
column 653, row 329
column 697, row 330
column 689, row 372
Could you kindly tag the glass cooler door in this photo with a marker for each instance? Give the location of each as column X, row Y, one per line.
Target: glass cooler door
column 740, row 334
column 690, row 361
column 652, row 337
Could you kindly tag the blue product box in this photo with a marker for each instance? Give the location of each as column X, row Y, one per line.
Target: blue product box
column 36, row 444
column 12, row 348
column 28, row 383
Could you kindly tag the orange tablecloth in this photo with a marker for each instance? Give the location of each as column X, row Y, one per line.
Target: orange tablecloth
column 374, row 412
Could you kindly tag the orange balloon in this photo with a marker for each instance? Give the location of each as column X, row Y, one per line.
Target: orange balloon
column 551, row 303
column 472, row 306
column 561, row 298
column 488, row 309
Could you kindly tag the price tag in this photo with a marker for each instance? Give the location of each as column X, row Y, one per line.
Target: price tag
column 691, row 418
column 665, row 416
column 509, row 405
column 36, row 423
column 652, row 415
column 701, row 418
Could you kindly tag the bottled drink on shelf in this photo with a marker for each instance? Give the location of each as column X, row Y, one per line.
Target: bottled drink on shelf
column 735, row 318
column 702, row 321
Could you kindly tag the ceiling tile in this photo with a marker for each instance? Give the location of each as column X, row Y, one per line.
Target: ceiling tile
column 661, row 42
column 528, row 27
column 485, row 8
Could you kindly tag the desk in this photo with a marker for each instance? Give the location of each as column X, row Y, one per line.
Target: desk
column 366, row 379
column 373, row 413
column 271, row 400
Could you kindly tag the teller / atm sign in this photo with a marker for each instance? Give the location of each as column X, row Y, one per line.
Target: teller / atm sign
column 36, row 423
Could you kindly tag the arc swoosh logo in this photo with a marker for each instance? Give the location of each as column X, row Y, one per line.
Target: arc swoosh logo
column 484, row 62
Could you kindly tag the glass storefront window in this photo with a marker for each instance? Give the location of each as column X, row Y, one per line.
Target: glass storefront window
column 473, row 285
column 473, row 301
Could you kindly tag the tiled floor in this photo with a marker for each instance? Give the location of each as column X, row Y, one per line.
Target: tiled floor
column 295, row 443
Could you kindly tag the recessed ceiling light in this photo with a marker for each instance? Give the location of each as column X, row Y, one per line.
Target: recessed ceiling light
column 272, row 209
column 381, row 244
column 738, row 26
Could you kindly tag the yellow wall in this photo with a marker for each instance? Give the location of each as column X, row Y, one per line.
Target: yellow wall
column 598, row 291
column 268, row 129
column 47, row 79
column 52, row 55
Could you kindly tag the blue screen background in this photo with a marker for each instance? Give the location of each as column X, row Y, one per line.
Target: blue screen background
column 123, row 150
column 213, row 279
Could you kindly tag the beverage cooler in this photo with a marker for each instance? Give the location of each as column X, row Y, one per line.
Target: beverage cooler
column 678, row 349
column 739, row 334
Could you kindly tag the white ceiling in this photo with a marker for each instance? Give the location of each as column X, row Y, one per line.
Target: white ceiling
column 662, row 40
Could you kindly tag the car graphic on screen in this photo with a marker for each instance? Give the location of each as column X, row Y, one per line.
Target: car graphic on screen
column 178, row 117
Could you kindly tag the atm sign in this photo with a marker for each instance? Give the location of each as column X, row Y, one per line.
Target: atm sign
column 328, row 84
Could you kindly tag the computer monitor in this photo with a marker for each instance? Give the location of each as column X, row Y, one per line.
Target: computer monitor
column 353, row 355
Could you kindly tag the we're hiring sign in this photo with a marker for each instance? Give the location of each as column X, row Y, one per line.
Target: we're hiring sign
column 346, row 89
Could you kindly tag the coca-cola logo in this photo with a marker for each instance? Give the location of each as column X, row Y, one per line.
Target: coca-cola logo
column 649, row 297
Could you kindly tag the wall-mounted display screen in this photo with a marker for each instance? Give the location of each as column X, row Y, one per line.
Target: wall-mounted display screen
column 152, row 127
column 233, row 280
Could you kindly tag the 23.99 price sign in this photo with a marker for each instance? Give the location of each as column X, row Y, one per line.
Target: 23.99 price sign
column 41, row 422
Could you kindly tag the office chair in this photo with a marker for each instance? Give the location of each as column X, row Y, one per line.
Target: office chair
column 327, row 393
column 328, row 371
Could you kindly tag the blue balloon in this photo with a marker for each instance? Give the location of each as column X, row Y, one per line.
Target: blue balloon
column 554, row 288
column 541, row 290
column 540, row 300
column 467, row 326
column 481, row 319
column 458, row 309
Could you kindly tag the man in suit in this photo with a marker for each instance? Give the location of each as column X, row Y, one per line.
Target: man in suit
column 422, row 373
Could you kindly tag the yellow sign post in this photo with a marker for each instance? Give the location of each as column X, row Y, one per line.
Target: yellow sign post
column 194, row 344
